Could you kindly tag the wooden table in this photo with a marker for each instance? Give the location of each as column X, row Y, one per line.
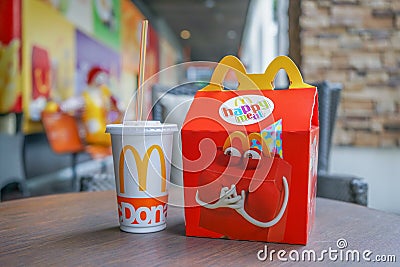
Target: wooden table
column 82, row 229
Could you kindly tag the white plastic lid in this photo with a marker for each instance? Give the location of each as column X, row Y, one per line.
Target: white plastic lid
column 141, row 128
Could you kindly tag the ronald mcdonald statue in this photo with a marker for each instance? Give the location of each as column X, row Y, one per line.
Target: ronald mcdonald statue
column 100, row 107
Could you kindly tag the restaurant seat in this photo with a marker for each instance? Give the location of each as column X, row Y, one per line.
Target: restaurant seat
column 63, row 133
column 11, row 163
column 344, row 187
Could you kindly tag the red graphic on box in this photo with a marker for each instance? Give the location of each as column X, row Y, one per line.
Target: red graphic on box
column 235, row 189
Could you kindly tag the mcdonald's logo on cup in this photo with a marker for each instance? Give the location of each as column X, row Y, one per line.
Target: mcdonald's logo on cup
column 141, row 152
column 142, row 166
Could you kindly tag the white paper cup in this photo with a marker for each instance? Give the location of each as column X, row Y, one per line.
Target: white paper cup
column 142, row 163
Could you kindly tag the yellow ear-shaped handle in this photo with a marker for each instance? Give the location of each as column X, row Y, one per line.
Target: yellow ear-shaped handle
column 284, row 62
column 226, row 64
column 263, row 81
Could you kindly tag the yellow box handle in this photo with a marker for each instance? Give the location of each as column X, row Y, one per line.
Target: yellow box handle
column 264, row 81
column 226, row 64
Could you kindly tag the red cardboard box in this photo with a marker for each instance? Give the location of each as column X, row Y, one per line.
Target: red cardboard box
column 250, row 156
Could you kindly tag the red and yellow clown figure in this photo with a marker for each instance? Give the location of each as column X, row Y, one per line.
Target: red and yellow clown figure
column 98, row 103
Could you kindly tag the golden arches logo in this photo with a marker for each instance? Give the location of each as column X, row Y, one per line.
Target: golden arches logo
column 42, row 85
column 142, row 166
column 244, row 100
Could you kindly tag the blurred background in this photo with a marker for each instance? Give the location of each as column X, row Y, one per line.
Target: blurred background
column 71, row 56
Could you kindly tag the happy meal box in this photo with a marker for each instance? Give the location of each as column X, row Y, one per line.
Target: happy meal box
column 250, row 155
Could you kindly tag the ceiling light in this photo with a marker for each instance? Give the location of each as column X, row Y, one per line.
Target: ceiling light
column 185, row 34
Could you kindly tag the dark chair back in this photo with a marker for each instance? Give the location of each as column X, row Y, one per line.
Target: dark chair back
column 342, row 187
column 328, row 100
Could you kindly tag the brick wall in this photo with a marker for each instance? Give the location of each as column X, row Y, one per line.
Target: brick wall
column 357, row 43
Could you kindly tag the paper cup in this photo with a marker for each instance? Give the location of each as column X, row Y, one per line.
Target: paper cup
column 142, row 163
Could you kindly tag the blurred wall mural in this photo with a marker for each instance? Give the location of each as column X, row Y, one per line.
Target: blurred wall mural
column 48, row 47
column 10, row 51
